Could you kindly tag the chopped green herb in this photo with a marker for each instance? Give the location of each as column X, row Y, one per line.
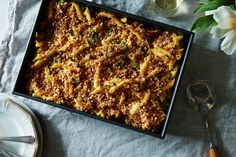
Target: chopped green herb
column 83, row 7
column 114, row 42
column 60, row 1
column 90, row 32
column 50, row 59
column 124, row 45
column 121, row 63
column 106, row 85
column 109, row 30
column 76, row 81
column 156, row 78
column 93, row 39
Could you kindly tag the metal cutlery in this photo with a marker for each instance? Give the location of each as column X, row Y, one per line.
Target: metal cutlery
column 21, row 139
column 4, row 152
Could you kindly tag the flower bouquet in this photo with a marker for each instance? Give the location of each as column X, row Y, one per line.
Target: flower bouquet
column 219, row 18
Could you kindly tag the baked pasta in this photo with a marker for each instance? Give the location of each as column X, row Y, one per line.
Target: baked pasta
column 103, row 64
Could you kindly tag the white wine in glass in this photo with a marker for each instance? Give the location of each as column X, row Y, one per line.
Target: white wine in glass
column 167, row 8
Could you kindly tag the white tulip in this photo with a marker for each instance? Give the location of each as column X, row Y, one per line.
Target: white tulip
column 225, row 28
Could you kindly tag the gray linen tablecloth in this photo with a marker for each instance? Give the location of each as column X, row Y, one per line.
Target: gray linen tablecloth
column 68, row 134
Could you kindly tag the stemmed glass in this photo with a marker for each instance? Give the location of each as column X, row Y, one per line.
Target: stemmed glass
column 167, row 8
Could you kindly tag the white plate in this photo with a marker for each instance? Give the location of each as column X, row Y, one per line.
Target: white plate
column 15, row 121
column 35, row 120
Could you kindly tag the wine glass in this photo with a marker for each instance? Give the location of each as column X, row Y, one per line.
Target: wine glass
column 167, row 8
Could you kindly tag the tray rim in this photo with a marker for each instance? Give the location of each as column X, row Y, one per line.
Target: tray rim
column 161, row 134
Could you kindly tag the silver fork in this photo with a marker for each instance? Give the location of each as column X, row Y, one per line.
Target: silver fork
column 7, row 153
column 21, row 139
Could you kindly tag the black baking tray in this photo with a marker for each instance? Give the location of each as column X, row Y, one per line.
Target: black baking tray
column 19, row 88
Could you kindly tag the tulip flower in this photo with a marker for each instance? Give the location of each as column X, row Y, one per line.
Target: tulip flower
column 225, row 28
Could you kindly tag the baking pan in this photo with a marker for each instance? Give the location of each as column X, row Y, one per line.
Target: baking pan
column 19, row 88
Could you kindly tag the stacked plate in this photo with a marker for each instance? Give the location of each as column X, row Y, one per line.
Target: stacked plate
column 16, row 119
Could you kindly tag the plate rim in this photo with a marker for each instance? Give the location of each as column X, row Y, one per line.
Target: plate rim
column 32, row 118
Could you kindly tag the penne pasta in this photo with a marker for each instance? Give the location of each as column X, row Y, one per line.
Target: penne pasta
column 87, row 15
column 103, row 64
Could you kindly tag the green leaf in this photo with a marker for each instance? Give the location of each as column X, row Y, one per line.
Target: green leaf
column 195, row 11
column 208, row 6
column 204, row 24
column 232, row 7
column 205, row 1
column 217, row 1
